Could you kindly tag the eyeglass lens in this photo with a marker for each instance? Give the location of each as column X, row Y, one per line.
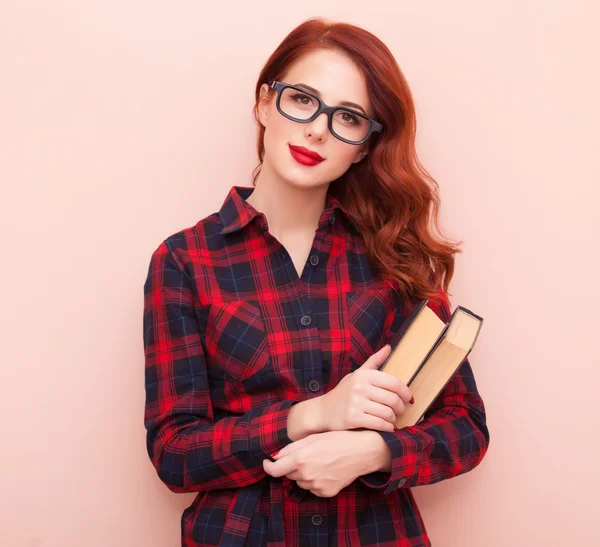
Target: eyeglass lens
column 345, row 123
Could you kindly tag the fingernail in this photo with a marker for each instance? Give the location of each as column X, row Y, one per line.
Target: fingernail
column 412, row 401
column 275, row 454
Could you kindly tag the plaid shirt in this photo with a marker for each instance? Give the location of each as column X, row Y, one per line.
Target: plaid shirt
column 233, row 338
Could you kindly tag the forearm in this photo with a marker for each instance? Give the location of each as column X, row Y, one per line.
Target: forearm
column 227, row 453
column 443, row 447
column 451, row 440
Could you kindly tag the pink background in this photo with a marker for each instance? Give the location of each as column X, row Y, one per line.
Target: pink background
column 118, row 128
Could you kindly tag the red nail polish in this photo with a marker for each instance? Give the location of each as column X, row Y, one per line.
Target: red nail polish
column 275, row 454
column 412, row 401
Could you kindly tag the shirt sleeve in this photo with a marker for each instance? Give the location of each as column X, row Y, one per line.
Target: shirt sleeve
column 451, row 439
column 190, row 450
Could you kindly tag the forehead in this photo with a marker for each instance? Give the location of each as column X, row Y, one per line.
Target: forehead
column 334, row 74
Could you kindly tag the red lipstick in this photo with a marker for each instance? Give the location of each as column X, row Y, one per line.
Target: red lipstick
column 305, row 156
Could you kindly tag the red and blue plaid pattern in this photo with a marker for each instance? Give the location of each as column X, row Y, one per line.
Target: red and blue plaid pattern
column 233, row 337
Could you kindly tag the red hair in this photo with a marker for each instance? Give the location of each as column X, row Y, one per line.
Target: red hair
column 389, row 193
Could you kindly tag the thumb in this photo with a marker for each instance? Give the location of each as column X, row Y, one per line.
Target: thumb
column 376, row 360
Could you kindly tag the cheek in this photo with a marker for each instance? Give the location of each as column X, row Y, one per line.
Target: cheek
column 277, row 134
column 340, row 159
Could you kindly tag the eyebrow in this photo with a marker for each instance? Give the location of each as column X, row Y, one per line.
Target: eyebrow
column 343, row 103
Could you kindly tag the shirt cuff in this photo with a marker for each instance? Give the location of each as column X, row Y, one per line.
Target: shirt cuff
column 268, row 432
column 409, row 450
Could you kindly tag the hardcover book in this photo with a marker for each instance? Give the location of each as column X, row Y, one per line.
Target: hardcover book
column 426, row 352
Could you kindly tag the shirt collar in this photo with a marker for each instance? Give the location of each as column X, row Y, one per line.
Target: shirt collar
column 236, row 213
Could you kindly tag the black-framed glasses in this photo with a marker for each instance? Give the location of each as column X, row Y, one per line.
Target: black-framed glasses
column 346, row 124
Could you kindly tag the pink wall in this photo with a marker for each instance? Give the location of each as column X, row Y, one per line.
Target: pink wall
column 117, row 130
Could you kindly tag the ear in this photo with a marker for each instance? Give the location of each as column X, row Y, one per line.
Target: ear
column 264, row 105
column 364, row 151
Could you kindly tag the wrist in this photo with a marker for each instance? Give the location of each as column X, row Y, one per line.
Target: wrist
column 304, row 419
column 378, row 456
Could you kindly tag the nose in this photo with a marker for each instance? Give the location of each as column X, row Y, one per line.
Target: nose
column 318, row 127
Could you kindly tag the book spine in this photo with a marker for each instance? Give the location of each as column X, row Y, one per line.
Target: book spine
column 444, row 386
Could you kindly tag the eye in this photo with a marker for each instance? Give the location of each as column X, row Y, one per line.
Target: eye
column 302, row 98
column 350, row 118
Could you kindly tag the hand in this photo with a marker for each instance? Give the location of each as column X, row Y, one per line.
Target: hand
column 367, row 398
column 324, row 463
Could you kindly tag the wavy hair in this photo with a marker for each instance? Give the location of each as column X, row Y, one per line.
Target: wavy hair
column 391, row 196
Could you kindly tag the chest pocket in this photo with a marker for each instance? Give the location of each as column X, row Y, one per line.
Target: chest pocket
column 236, row 340
column 368, row 319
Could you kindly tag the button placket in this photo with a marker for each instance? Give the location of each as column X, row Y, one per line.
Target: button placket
column 311, row 365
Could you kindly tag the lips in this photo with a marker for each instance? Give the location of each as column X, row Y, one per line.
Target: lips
column 306, row 152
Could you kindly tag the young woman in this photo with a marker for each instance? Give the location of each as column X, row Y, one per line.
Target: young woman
column 266, row 322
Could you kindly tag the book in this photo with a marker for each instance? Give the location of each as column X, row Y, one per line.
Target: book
column 426, row 352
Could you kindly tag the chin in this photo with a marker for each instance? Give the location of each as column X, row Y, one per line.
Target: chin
column 311, row 185
column 297, row 182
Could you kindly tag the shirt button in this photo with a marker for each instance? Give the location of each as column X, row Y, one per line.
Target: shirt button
column 306, row 320
column 401, row 482
column 314, row 260
column 317, row 520
column 331, row 219
column 313, row 385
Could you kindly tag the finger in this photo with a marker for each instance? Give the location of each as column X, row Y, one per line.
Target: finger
column 376, row 360
column 387, row 398
column 280, row 467
column 378, row 424
column 292, row 447
column 295, row 475
column 388, row 381
column 305, row 485
column 380, row 411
